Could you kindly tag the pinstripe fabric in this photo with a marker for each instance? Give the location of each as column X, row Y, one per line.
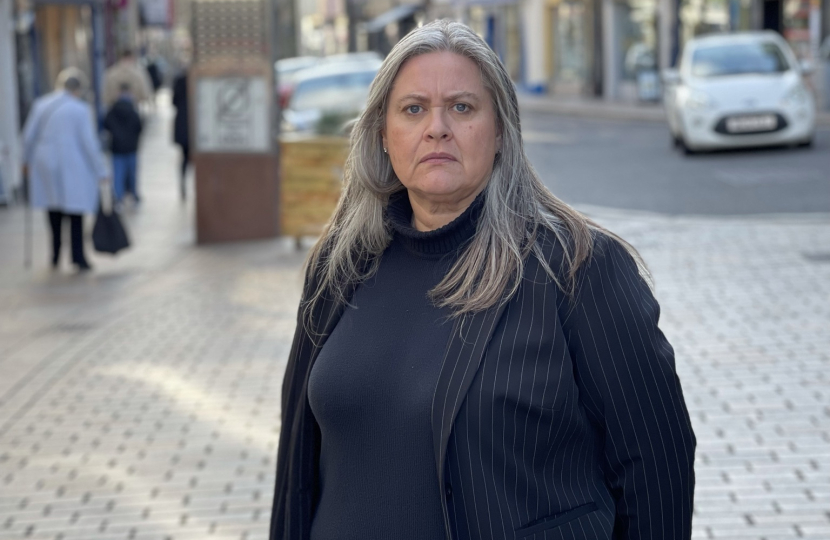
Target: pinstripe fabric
column 551, row 419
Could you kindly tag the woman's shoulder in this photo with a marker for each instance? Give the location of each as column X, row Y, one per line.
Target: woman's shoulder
column 606, row 254
column 557, row 242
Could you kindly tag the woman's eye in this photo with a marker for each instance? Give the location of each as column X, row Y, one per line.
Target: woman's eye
column 413, row 109
column 460, row 107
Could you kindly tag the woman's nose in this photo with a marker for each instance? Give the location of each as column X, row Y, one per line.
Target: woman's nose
column 438, row 127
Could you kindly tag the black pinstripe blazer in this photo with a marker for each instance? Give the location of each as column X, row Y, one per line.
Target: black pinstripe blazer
column 553, row 418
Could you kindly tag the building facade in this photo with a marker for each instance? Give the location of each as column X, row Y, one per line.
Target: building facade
column 38, row 39
column 615, row 49
column 9, row 112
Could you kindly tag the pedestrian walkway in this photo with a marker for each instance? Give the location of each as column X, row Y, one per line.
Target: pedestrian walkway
column 141, row 400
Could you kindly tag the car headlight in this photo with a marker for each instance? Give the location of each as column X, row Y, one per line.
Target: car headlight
column 698, row 100
column 796, row 97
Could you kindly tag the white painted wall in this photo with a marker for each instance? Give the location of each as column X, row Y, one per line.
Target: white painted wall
column 533, row 21
column 9, row 133
column 610, row 77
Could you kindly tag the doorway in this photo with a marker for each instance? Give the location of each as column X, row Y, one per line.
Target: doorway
column 773, row 15
column 572, row 43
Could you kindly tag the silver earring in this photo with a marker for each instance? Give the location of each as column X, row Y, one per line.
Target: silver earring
column 385, row 151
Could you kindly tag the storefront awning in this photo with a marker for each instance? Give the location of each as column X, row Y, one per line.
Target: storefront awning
column 393, row 15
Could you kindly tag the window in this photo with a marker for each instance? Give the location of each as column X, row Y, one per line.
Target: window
column 738, row 59
column 347, row 91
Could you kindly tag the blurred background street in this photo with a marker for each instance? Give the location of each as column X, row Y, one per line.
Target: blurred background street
column 630, row 164
column 141, row 399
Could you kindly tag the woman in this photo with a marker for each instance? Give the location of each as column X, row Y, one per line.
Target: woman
column 64, row 161
column 473, row 358
column 181, row 135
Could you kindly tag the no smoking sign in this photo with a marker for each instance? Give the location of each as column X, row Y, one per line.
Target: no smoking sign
column 233, row 114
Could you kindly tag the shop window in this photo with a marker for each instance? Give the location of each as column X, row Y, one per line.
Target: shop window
column 636, row 30
column 797, row 26
column 700, row 17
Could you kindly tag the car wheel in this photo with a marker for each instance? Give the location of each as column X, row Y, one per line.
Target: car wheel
column 675, row 141
column 685, row 147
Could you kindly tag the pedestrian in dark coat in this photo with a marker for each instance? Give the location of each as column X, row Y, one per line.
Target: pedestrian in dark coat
column 154, row 72
column 473, row 358
column 181, row 135
column 124, row 125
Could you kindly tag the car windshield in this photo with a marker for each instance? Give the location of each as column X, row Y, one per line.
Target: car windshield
column 345, row 91
column 738, row 59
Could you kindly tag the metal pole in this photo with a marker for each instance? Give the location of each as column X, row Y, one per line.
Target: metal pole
column 284, row 32
column 98, row 60
column 27, row 226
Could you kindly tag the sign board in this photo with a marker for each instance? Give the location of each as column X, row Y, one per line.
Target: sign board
column 233, row 115
column 155, row 12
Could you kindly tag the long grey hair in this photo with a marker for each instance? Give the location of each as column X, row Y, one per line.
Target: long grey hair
column 516, row 202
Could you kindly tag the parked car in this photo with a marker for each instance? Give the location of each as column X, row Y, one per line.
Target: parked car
column 288, row 69
column 739, row 90
column 335, row 91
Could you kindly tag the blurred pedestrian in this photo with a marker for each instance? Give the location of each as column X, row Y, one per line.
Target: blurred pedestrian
column 124, row 125
column 181, row 134
column 127, row 70
column 155, row 74
column 473, row 358
column 62, row 154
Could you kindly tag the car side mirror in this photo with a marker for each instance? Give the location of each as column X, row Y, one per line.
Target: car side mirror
column 807, row 67
column 670, row 77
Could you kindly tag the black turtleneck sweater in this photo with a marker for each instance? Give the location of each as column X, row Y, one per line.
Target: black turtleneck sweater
column 371, row 390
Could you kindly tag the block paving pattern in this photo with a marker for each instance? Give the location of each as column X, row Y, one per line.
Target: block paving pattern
column 746, row 307
column 142, row 401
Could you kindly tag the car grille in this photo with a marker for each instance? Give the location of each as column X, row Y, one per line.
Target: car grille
column 721, row 126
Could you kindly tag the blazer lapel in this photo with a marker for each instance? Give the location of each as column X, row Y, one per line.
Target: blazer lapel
column 465, row 349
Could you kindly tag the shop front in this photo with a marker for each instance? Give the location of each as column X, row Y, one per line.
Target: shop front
column 796, row 27
column 60, row 34
column 572, row 45
column 636, row 49
column 790, row 18
column 9, row 116
column 39, row 40
column 498, row 23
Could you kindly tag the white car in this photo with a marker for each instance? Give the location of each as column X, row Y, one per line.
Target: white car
column 739, row 90
column 339, row 90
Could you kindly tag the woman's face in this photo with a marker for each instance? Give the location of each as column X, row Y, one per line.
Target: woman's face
column 440, row 129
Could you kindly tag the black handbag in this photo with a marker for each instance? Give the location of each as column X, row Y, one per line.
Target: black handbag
column 109, row 234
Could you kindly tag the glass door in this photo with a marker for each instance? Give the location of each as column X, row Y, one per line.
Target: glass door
column 571, row 47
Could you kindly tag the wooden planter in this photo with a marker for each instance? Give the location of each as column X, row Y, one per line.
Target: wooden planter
column 312, row 171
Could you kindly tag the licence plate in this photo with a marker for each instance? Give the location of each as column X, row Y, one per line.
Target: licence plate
column 745, row 124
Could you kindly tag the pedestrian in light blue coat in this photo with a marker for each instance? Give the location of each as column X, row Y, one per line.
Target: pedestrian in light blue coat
column 64, row 161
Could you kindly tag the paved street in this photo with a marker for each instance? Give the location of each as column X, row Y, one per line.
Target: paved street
column 142, row 400
column 633, row 165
